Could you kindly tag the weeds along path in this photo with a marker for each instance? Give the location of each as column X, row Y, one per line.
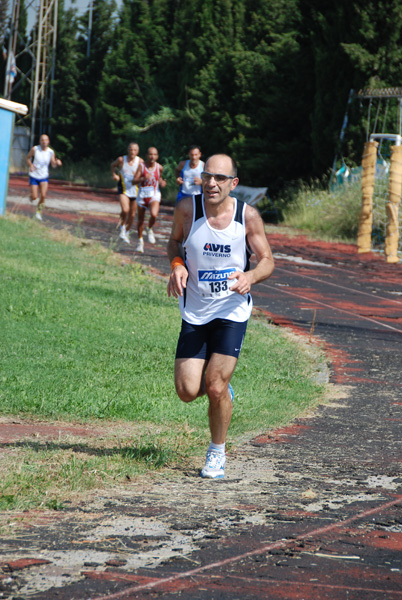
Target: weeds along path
column 312, row 510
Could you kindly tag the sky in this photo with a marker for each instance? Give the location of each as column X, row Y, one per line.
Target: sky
column 33, row 7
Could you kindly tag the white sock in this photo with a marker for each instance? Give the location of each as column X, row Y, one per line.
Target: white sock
column 219, row 448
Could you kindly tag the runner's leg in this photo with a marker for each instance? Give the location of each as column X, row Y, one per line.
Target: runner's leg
column 154, row 210
column 140, row 221
column 43, row 191
column 131, row 214
column 125, row 208
column 34, row 193
column 189, row 378
column 217, row 378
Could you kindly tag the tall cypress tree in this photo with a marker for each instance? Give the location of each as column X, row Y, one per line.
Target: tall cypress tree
column 69, row 118
column 93, row 49
column 125, row 79
column 375, row 55
column 247, row 99
column 266, row 80
column 353, row 45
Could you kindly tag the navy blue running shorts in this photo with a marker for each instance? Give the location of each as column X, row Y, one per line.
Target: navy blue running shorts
column 33, row 181
column 219, row 336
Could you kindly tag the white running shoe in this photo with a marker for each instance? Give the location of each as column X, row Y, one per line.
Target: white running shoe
column 214, row 465
column 124, row 235
column 140, row 245
column 38, row 215
column 151, row 236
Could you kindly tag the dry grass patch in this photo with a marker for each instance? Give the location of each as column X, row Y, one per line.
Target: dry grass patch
column 45, row 473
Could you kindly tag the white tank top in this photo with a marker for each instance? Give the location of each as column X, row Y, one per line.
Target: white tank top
column 41, row 162
column 127, row 174
column 210, row 256
column 188, row 187
column 150, row 189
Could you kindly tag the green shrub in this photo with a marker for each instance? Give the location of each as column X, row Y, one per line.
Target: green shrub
column 335, row 214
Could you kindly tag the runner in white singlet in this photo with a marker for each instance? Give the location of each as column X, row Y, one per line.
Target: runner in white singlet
column 127, row 167
column 149, row 178
column 217, row 234
column 39, row 158
column 188, row 174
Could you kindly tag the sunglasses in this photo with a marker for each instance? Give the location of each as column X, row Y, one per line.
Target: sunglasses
column 219, row 178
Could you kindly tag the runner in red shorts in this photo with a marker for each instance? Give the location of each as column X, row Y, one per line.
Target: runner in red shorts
column 149, row 178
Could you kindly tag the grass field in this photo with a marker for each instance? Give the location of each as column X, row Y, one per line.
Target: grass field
column 88, row 338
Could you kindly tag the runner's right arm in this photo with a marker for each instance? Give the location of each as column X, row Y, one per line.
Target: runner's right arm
column 178, row 170
column 118, row 163
column 179, row 275
column 30, row 155
column 139, row 177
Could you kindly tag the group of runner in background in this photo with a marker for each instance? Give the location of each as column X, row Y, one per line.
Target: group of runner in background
column 138, row 184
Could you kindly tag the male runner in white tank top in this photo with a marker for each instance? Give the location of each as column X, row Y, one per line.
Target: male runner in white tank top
column 188, row 174
column 149, row 178
column 39, row 158
column 127, row 189
column 218, row 233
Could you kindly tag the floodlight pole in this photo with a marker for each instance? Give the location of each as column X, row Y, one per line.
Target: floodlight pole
column 44, row 61
column 12, row 45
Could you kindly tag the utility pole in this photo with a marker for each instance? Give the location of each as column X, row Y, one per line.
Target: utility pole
column 44, row 62
column 43, row 53
column 12, row 46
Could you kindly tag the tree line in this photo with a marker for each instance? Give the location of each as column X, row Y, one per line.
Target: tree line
column 266, row 81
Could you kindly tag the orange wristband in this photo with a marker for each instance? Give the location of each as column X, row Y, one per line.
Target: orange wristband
column 176, row 262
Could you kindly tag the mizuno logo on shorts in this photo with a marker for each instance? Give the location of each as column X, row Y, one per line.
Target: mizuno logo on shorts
column 214, row 275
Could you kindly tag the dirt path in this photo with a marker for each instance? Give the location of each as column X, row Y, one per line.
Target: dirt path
column 311, row 511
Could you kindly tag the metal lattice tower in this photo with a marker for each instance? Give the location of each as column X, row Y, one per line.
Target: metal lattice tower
column 45, row 62
column 43, row 53
column 12, row 43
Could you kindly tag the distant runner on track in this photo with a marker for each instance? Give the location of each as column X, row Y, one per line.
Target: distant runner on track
column 127, row 167
column 188, row 174
column 38, row 159
column 149, row 178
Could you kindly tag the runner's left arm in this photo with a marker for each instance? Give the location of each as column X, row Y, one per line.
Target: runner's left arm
column 258, row 244
column 54, row 161
column 162, row 182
